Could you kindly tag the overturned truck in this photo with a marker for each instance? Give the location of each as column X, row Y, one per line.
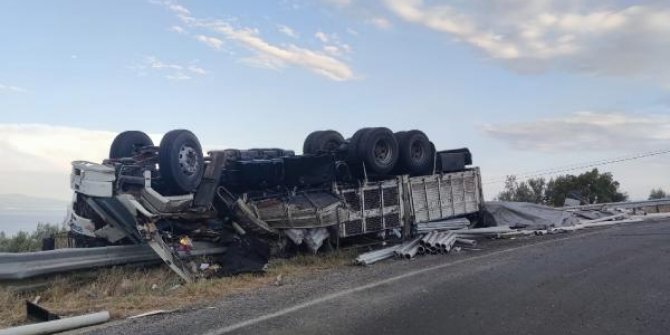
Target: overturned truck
column 376, row 184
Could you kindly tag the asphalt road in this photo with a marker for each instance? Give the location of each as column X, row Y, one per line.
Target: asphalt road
column 608, row 281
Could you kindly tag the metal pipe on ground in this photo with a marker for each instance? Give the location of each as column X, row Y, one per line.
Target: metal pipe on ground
column 428, row 242
column 412, row 252
column 619, row 216
column 484, row 231
column 405, row 248
column 474, row 236
column 445, row 243
column 449, row 243
column 432, row 242
column 610, row 223
column 468, row 242
column 376, row 256
column 444, row 237
column 369, row 259
column 59, row 325
column 443, row 225
column 427, row 237
column 439, row 243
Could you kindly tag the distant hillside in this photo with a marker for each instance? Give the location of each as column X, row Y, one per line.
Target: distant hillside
column 20, row 202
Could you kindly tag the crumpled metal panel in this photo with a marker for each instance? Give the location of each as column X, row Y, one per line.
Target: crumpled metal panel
column 303, row 210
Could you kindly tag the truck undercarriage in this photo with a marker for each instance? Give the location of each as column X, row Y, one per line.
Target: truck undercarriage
column 377, row 183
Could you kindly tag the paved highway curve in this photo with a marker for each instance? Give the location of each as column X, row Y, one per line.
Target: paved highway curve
column 607, row 281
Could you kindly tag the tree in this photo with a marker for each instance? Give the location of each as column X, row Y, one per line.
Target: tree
column 657, row 194
column 28, row 241
column 531, row 190
column 590, row 187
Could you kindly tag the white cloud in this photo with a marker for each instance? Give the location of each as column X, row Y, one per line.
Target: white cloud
column 321, row 36
column 339, row 3
column 333, row 45
column 40, row 147
column 337, row 50
column 331, row 49
column 178, row 9
column 178, row 76
column 287, row 31
column 155, row 63
column 352, row 32
column 197, row 69
column 268, row 54
column 380, row 22
column 12, row 88
column 211, row 41
column 171, row 71
column 587, row 131
column 178, row 29
column 606, row 37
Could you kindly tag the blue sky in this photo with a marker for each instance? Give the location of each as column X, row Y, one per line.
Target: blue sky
column 526, row 87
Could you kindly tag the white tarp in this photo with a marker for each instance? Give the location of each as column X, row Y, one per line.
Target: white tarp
column 523, row 215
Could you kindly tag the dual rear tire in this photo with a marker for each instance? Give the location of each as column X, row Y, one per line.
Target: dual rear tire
column 323, row 141
column 417, row 153
column 379, row 149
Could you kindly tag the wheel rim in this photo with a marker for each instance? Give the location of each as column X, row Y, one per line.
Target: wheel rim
column 188, row 160
column 416, row 151
column 383, row 152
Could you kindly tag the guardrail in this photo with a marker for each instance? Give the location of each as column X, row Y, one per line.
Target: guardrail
column 626, row 204
column 14, row 266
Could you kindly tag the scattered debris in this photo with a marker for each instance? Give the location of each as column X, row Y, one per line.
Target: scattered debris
column 247, row 254
column 150, row 313
column 440, row 237
column 35, row 312
column 468, row 242
column 278, row 280
column 314, row 238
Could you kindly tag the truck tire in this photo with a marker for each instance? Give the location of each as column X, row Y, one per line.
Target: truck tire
column 353, row 156
column 399, row 169
column 326, row 141
column 180, row 161
column 126, row 144
column 378, row 149
column 307, row 145
column 416, row 153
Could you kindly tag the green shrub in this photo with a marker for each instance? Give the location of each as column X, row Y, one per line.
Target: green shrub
column 28, row 241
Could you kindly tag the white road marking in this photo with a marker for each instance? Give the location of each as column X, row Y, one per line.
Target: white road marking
column 339, row 294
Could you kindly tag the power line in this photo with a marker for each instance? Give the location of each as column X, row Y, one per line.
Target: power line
column 580, row 166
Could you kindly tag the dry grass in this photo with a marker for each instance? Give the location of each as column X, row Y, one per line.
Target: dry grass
column 126, row 291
